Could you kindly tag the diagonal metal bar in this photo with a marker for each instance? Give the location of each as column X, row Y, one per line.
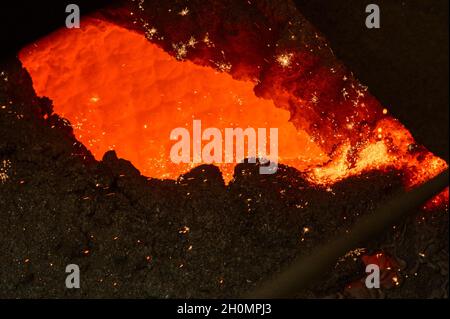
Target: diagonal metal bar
column 305, row 270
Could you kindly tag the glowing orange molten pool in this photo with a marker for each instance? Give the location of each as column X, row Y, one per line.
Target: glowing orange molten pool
column 121, row 92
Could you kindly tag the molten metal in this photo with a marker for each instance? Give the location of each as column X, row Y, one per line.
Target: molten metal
column 122, row 92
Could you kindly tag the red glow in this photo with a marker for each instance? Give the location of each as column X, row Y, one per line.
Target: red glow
column 122, row 92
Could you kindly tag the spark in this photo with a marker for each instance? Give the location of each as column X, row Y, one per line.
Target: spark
column 184, row 12
column 141, row 7
column 207, row 40
column 192, row 42
column 353, row 253
column 223, row 66
column 94, row 99
column 395, row 280
column 4, row 167
column 184, row 230
column 284, row 59
column 4, row 75
column 150, row 33
column 180, row 50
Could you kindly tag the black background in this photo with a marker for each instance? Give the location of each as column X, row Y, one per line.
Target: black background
column 404, row 63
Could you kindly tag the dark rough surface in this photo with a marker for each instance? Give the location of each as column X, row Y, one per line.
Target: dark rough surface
column 59, row 206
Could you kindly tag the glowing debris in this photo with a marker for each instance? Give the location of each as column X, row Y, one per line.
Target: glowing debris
column 192, row 42
column 180, row 50
column 184, row 230
column 284, row 59
column 150, row 33
column 5, row 165
column 184, row 12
